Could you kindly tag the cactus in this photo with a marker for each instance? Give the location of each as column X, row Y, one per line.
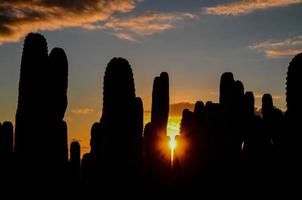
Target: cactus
column 157, row 128
column 199, row 107
column 58, row 83
column 116, row 139
column 226, row 85
column 249, row 105
column 118, row 91
column 41, row 133
column 75, row 162
column 6, row 140
column 160, row 103
column 31, row 94
column 293, row 90
column 267, row 106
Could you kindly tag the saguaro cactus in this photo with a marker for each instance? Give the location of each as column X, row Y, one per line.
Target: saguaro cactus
column 6, row 140
column 267, row 106
column 226, row 85
column 116, row 140
column 31, row 94
column 293, row 88
column 160, row 102
column 41, row 133
column 75, row 162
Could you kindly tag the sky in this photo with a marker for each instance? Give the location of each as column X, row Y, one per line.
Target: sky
column 195, row 41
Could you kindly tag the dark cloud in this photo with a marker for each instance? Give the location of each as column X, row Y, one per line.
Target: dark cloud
column 18, row 17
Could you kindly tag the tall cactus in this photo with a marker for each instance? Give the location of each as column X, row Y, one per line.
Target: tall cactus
column 75, row 163
column 226, row 85
column 116, row 139
column 293, row 89
column 157, row 128
column 6, row 140
column 41, row 133
column 267, row 106
column 118, row 91
column 31, row 94
column 249, row 105
column 58, row 83
column 160, row 102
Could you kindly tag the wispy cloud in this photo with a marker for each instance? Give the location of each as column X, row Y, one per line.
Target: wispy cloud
column 17, row 18
column 244, row 7
column 279, row 48
column 147, row 24
column 278, row 43
column 81, row 111
column 125, row 36
column 282, row 53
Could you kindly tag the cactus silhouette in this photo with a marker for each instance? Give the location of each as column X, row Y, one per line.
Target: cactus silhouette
column 249, row 105
column 199, row 107
column 226, row 85
column 293, row 93
column 75, row 163
column 31, row 94
column 118, row 90
column 6, row 140
column 267, row 106
column 6, row 154
column 58, row 71
column 116, row 141
column 160, row 102
column 157, row 128
column 41, row 133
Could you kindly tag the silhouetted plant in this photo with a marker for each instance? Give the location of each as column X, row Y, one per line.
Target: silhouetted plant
column 116, row 141
column 58, row 83
column 249, row 106
column 226, row 85
column 160, row 102
column 157, row 129
column 75, row 163
column 293, row 89
column 199, row 107
column 6, row 140
column 89, row 171
column 95, row 130
column 41, row 133
column 31, row 94
column 267, row 106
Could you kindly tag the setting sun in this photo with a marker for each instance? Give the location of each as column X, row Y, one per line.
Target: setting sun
column 172, row 145
column 173, row 131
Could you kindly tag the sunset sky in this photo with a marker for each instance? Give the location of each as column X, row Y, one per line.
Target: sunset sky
column 195, row 41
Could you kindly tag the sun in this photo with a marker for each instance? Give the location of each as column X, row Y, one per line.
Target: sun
column 172, row 146
column 172, row 132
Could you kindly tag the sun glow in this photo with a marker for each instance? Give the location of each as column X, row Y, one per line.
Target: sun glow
column 172, row 145
column 173, row 131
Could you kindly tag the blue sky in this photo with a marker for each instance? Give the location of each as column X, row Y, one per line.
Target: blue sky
column 195, row 41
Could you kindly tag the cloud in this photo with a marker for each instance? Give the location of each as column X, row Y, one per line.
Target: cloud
column 278, row 43
column 144, row 25
column 125, row 36
column 279, row 48
column 282, row 53
column 81, row 111
column 17, row 17
column 245, row 7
